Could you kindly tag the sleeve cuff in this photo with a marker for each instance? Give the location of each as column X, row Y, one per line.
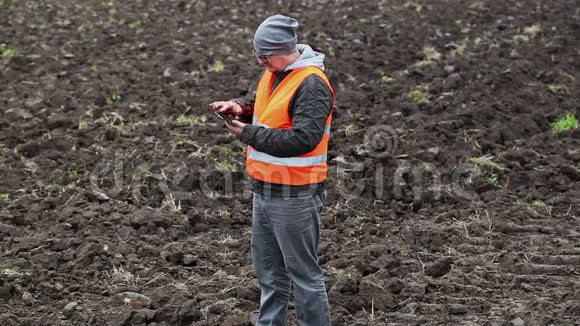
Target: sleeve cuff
column 247, row 133
column 246, row 107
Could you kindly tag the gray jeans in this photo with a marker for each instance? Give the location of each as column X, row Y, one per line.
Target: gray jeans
column 285, row 237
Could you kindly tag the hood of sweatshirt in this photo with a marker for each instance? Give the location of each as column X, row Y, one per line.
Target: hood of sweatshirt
column 308, row 58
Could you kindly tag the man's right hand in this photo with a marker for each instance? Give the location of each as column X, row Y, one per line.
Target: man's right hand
column 227, row 107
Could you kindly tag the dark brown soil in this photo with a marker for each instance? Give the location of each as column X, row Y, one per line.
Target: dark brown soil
column 113, row 207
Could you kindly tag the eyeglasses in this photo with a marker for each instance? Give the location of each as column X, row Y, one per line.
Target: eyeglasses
column 261, row 57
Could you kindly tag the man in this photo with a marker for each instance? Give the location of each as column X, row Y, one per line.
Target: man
column 287, row 142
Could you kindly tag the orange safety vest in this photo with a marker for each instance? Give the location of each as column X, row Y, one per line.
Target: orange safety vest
column 271, row 111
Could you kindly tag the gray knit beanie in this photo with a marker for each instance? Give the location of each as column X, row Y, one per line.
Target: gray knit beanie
column 276, row 35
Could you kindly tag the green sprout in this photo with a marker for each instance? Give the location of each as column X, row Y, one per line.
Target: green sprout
column 533, row 30
column 115, row 98
column 184, row 143
column 5, row 197
column 420, row 96
column 7, row 53
column 226, row 166
column 492, row 179
column 559, row 89
column 567, row 123
column 387, row 79
column 487, row 162
column 48, row 190
column 190, row 120
column 73, row 174
column 536, row 207
column 8, row 271
column 567, row 75
column 135, row 24
column 218, row 66
column 460, row 50
column 490, row 167
column 83, row 125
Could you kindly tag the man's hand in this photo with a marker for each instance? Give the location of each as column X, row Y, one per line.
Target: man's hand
column 236, row 127
column 228, row 107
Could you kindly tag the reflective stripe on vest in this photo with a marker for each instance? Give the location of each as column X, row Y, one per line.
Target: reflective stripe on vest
column 287, row 161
